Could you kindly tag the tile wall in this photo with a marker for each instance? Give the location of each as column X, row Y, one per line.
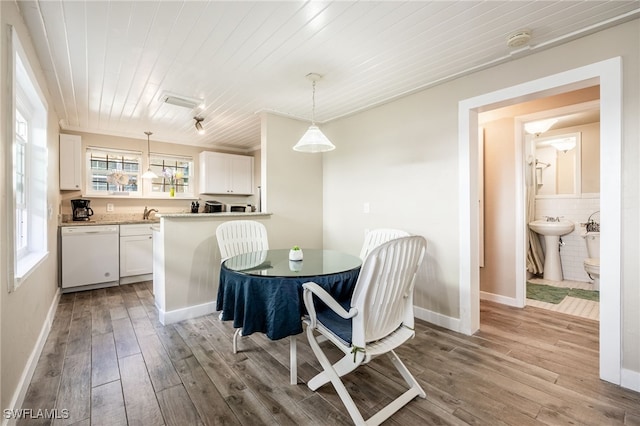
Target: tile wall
column 577, row 210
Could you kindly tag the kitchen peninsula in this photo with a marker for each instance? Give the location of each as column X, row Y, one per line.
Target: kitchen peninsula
column 186, row 262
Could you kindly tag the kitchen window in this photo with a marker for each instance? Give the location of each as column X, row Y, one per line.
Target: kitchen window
column 28, row 160
column 174, row 173
column 113, row 172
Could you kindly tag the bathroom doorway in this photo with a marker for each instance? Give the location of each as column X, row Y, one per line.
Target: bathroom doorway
column 561, row 182
column 608, row 75
column 562, row 188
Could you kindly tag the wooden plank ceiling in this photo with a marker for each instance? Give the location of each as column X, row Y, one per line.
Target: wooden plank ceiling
column 107, row 63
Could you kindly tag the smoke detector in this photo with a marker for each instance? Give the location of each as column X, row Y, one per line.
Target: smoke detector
column 518, row 38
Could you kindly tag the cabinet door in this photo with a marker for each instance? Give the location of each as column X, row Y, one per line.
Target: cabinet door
column 225, row 173
column 214, row 173
column 136, row 255
column 70, row 162
column 241, row 175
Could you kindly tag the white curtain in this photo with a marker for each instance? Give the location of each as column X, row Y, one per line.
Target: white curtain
column 535, row 255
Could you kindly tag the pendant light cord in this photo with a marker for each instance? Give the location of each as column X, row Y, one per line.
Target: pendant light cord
column 313, row 104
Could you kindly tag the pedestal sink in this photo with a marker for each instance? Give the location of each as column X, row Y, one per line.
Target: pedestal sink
column 551, row 231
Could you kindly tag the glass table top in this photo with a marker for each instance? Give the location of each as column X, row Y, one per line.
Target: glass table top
column 276, row 263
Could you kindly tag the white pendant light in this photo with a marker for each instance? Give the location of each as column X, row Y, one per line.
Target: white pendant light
column 313, row 139
column 149, row 174
column 564, row 145
column 538, row 127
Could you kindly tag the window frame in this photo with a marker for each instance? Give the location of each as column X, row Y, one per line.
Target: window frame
column 158, row 162
column 27, row 100
column 120, row 158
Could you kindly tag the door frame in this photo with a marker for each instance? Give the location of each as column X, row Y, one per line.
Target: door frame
column 608, row 74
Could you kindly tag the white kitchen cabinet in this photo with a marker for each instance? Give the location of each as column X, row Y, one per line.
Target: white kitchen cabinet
column 225, row 173
column 70, row 162
column 136, row 252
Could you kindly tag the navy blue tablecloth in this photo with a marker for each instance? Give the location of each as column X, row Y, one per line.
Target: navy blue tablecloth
column 273, row 305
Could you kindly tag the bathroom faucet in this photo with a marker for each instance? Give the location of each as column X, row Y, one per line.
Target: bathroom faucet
column 145, row 215
column 553, row 219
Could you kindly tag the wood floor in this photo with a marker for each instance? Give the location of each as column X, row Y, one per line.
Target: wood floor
column 109, row 362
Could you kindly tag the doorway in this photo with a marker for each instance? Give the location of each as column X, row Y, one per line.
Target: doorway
column 608, row 74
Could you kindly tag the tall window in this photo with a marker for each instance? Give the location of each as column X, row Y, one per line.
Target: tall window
column 113, row 172
column 29, row 158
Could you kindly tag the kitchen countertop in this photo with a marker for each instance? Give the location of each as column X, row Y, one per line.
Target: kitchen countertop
column 155, row 219
column 210, row 215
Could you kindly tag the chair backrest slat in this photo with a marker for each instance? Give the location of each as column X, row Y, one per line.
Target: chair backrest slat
column 375, row 237
column 384, row 291
column 241, row 236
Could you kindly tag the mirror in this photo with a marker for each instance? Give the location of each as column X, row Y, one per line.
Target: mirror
column 557, row 165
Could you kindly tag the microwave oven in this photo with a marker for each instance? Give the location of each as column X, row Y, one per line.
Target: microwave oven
column 238, row 208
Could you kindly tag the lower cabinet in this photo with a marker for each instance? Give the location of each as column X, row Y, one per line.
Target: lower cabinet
column 136, row 253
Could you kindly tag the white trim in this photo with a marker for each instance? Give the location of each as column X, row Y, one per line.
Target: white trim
column 432, row 317
column 498, row 298
column 608, row 74
column 177, row 315
column 32, row 362
column 630, row 379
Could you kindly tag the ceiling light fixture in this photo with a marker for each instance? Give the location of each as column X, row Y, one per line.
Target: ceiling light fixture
column 199, row 126
column 538, row 127
column 149, row 174
column 564, row 145
column 313, row 139
column 179, row 100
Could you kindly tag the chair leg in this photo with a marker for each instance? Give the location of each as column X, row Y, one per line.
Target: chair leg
column 235, row 339
column 335, row 379
column 344, row 366
column 406, row 374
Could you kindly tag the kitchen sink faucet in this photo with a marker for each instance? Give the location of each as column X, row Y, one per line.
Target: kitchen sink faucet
column 147, row 212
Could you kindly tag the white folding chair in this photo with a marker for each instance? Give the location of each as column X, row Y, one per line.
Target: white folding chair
column 375, row 237
column 378, row 320
column 238, row 237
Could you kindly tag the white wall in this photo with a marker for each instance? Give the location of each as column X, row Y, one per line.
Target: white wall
column 402, row 158
column 291, row 185
column 23, row 313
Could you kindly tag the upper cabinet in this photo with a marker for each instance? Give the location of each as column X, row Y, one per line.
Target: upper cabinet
column 225, row 174
column 70, row 162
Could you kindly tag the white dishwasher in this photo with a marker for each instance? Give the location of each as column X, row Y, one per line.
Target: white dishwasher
column 90, row 256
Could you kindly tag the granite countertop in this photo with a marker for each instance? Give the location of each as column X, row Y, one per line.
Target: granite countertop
column 109, row 222
column 132, row 219
column 210, row 215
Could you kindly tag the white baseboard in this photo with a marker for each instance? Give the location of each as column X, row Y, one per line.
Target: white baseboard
column 32, row 362
column 449, row 323
column 170, row 317
column 497, row 298
column 630, row 379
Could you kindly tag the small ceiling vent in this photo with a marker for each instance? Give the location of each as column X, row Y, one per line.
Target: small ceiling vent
column 179, row 100
column 518, row 38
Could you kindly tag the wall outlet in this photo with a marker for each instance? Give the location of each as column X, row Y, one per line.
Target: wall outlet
column 366, row 208
column 109, row 207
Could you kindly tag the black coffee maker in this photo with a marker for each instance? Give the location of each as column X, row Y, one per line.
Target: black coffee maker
column 81, row 209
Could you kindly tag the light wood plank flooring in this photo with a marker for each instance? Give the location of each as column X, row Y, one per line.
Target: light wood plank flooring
column 108, row 361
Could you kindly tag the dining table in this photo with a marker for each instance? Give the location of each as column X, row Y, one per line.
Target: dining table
column 262, row 291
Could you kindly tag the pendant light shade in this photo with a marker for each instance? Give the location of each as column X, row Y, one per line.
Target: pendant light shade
column 538, row 127
column 149, row 174
column 313, row 139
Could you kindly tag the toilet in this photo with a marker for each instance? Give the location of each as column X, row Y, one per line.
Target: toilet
column 592, row 263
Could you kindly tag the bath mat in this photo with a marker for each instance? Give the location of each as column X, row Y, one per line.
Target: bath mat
column 555, row 295
column 585, row 294
column 546, row 293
